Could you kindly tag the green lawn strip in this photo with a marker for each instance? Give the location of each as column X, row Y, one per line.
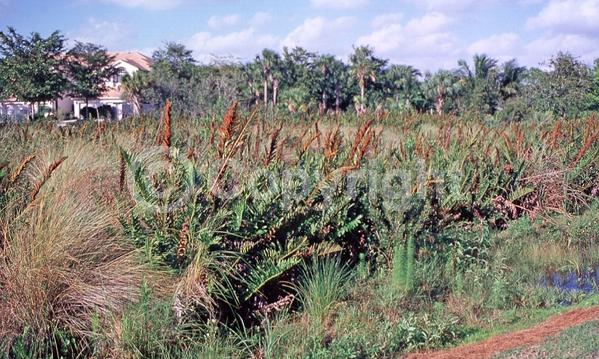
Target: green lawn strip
column 581, row 341
column 524, row 319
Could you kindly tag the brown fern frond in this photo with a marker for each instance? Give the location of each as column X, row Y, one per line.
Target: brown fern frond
column 358, row 139
column 590, row 139
column 332, row 143
column 280, row 148
column 272, row 148
column 227, row 128
column 555, row 134
column 17, row 173
column 236, row 144
column 363, row 148
column 45, row 177
column 167, row 130
column 122, row 168
column 183, row 238
column 317, row 133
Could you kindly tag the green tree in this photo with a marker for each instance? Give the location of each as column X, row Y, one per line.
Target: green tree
column 31, row 68
column 510, row 79
column 332, row 79
column 172, row 68
column 252, row 72
column 215, row 86
column 270, row 63
column 443, row 91
column 563, row 89
column 480, row 83
column 89, row 68
column 134, row 87
column 593, row 97
column 403, row 86
column 297, row 65
column 297, row 69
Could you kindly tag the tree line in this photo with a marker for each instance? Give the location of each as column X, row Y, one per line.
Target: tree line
column 36, row 69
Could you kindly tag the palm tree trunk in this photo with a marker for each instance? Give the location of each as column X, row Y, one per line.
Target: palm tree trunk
column 136, row 106
column 275, row 89
column 362, row 94
column 265, row 92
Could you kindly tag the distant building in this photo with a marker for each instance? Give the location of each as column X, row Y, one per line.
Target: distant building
column 110, row 105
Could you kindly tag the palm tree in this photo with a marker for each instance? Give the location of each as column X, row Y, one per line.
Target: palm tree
column 133, row 87
column 510, row 79
column 403, row 83
column 364, row 66
column 323, row 65
column 330, row 76
column 270, row 62
column 480, row 82
column 483, row 65
column 442, row 86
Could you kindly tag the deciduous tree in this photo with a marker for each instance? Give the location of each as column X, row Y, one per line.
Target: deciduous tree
column 31, row 67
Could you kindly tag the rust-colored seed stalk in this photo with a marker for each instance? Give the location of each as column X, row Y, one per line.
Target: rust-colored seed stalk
column 226, row 129
column 46, row 176
column 272, row 148
column 122, row 173
column 167, row 132
column 15, row 176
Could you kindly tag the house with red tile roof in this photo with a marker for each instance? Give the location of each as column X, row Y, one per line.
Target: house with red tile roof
column 111, row 105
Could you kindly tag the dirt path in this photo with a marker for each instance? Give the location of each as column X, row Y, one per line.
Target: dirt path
column 534, row 335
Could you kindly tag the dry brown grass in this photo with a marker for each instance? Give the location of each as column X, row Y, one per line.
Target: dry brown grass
column 63, row 261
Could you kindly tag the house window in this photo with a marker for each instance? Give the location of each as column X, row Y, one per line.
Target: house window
column 116, row 79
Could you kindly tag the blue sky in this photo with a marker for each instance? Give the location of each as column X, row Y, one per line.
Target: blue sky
column 425, row 33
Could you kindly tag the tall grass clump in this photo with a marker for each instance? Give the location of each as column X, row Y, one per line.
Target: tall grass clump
column 324, row 284
column 62, row 263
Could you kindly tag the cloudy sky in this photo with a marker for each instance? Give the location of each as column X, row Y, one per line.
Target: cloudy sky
column 428, row 34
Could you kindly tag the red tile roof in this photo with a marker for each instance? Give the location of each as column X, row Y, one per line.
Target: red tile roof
column 136, row 59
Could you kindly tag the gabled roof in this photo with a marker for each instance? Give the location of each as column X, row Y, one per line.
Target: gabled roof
column 139, row 60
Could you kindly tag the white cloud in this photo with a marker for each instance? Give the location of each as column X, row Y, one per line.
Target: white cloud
column 339, row 4
column 386, row 19
column 501, row 46
column 533, row 53
column 542, row 48
column 147, row 4
column 425, row 42
column 219, row 22
column 320, row 34
column 260, row 18
column 244, row 44
column 448, row 6
column 568, row 16
column 110, row 34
